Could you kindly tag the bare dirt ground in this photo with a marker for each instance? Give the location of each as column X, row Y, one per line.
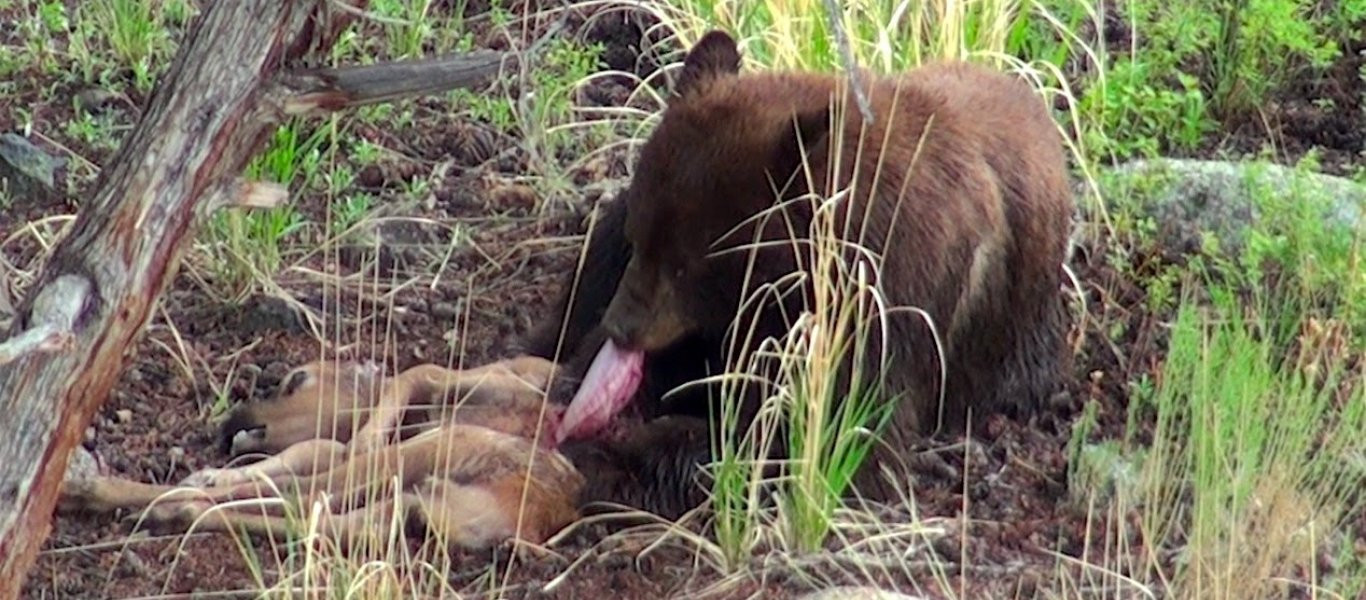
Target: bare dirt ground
column 1009, row 482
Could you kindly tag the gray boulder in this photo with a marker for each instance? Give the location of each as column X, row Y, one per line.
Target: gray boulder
column 1187, row 197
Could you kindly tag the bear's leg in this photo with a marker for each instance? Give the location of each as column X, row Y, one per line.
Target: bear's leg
column 576, row 314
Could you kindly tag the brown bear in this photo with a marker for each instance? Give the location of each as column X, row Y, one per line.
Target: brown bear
column 958, row 184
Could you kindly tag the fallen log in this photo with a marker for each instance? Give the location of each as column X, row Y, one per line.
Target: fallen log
column 242, row 69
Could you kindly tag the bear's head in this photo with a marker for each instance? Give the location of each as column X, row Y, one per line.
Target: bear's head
column 698, row 218
column 726, row 149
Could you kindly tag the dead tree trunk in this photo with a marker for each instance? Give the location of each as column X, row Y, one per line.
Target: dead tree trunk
column 215, row 108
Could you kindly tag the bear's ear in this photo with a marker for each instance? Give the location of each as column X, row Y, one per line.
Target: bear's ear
column 798, row 138
column 714, row 55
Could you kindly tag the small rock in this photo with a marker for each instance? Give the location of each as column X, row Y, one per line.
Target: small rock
column 857, row 593
column 133, row 565
column 445, row 310
column 25, row 169
column 269, row 313
column 242, row 387
column 81, row 466
column 177, row 387
column 124, row 415
column 370, row 176
column 176, row 453
column 94, row 100
column 514, row 196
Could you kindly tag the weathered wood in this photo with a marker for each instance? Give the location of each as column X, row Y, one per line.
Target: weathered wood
column 344, row 87
column 216, row 107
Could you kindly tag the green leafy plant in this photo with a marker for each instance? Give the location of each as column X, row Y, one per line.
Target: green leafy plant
column 248, row 246
column 407, row 25
column 1134, row 114
column 1258, row 45
column 135, row 33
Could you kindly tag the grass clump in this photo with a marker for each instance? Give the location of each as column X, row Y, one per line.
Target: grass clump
column 1240, row 467
column 1254, row 460
column 136, row 33
column 1191, row 68
column 245, row 249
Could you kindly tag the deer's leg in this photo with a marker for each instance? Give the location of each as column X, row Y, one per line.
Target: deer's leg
column 368, row 526
column 304, row 458
column 515, row 383
column 106, row 494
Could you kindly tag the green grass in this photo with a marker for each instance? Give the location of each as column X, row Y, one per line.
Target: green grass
column 1196, row 66
column 246, row 247
column 1242, row 460
column 1254, row 458
column 135, row 32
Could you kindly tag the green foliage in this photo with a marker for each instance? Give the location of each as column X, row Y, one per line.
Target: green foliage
column 135, row 33
column 1196, row 64
column 95, row 130
column 1249, row 449
column 1258, row 46
column 349, row 212
column 290, row 156
column 1318, row 267
column 1250, row 435
column 406, row 25
column 1135, row 115
column 249, row 246
column 543, row 115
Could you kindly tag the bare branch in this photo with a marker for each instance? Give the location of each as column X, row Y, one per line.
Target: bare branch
column 345, row 87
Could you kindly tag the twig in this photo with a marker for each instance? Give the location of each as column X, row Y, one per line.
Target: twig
column 832, row 10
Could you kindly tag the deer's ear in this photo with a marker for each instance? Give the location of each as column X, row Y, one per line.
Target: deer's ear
column 715, row 55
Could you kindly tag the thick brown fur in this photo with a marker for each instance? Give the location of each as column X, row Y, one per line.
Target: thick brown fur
column 959, row 185
column 475, row 475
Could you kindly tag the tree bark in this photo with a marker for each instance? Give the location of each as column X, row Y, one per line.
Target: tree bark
column 216, row 107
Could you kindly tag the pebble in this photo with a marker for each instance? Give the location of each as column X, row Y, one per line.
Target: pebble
column 123, row 415
column 445, row 310
column 94, row 100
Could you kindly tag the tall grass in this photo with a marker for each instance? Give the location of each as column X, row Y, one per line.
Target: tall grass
column 885, row 35
column 1242, row 465
column 1254, row 460
column 135, row 33
column 821, row 404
